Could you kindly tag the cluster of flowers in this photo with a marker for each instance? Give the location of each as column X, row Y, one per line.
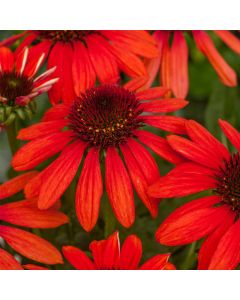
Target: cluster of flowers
column 96, row 135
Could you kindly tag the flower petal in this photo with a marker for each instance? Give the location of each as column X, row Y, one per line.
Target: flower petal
column 119, row 188
column 183, row 180
column 30, row 245
column 57, row 112
column 143, row 171
column 25, row 213
column 131, row 253
column 168, row 123
column 159, row 146
column 89, row 191
column 77, row 258
column 158, row 262
column 205, row 44
column 152, row 93
column 102, row 59
column 41, row 129
column 163, row 105
column 60, row 174
column 15, row 185
column 229, row 39
column 36, row 151
column 226, row 256
column 211, row 242
column 82, row 69
column 231, row 133
column 8, row 262
column 6, row 59
column 179, row 65
column 183, row 228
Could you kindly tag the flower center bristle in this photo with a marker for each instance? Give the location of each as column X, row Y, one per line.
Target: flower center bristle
column 13, row 85
column 228, row 178
column 105, row 116
column 65, row 35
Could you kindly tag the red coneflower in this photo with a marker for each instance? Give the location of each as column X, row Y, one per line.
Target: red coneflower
column 103, row 121
column 173, row 58
column 18, row 85
column 216, row 217
column 25, row 213
column 107, row 255
column 81, row 56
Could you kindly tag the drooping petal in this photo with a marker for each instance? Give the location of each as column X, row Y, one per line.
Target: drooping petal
column 205, row 44
column 165, row 67
column 6, row 59
column 159, row 146
column 77, row 258
column 231, row 133
column 179, row 65
column 60, row 174
column 41, row 129
column 8, row 262
column 157, row 262
column 102, row 59
column 226, row 256
column 25, row 213
column 135, row 84
column 131, row 253
column 183, row 180
column 82, row 69
column 89, row 191
column 211, row 242
column 119, row 188
column 36, row 151
column 143, row 171
column 163, row 105
column 15, row 185
column 184, row 228
column 229, row 39
column 168, row 123
column 30, row 245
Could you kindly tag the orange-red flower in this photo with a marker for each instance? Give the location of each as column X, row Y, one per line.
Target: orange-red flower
column 25, row 213
column 104, row 123
column 210, row 167
column 18, row 85
column 107, row 255
column 81, row 56
column 173, row 58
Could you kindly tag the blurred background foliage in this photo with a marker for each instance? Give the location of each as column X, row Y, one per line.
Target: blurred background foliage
column 209, row 100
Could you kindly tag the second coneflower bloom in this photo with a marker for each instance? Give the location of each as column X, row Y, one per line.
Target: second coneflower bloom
column 105, row 123
column 210, row 167
column 19, row 84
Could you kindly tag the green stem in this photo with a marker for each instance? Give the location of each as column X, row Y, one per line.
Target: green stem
column 109, row 219
column 188, row 262
column 12, row 137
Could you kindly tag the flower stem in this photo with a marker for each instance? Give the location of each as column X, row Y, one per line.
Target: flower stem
column 12, row 132
column 109, row 219
column 190, row 257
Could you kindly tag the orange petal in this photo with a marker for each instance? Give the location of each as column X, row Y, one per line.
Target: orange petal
column 77, row 258
column 30, row 245
column 205, row 44
column 119, row 188
column 8, row 262
column 157, row 262
column 229, row 39
column 89, row 191
column 15, row 185
column 179, row 65
column 131, row 253
column 60, row 173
